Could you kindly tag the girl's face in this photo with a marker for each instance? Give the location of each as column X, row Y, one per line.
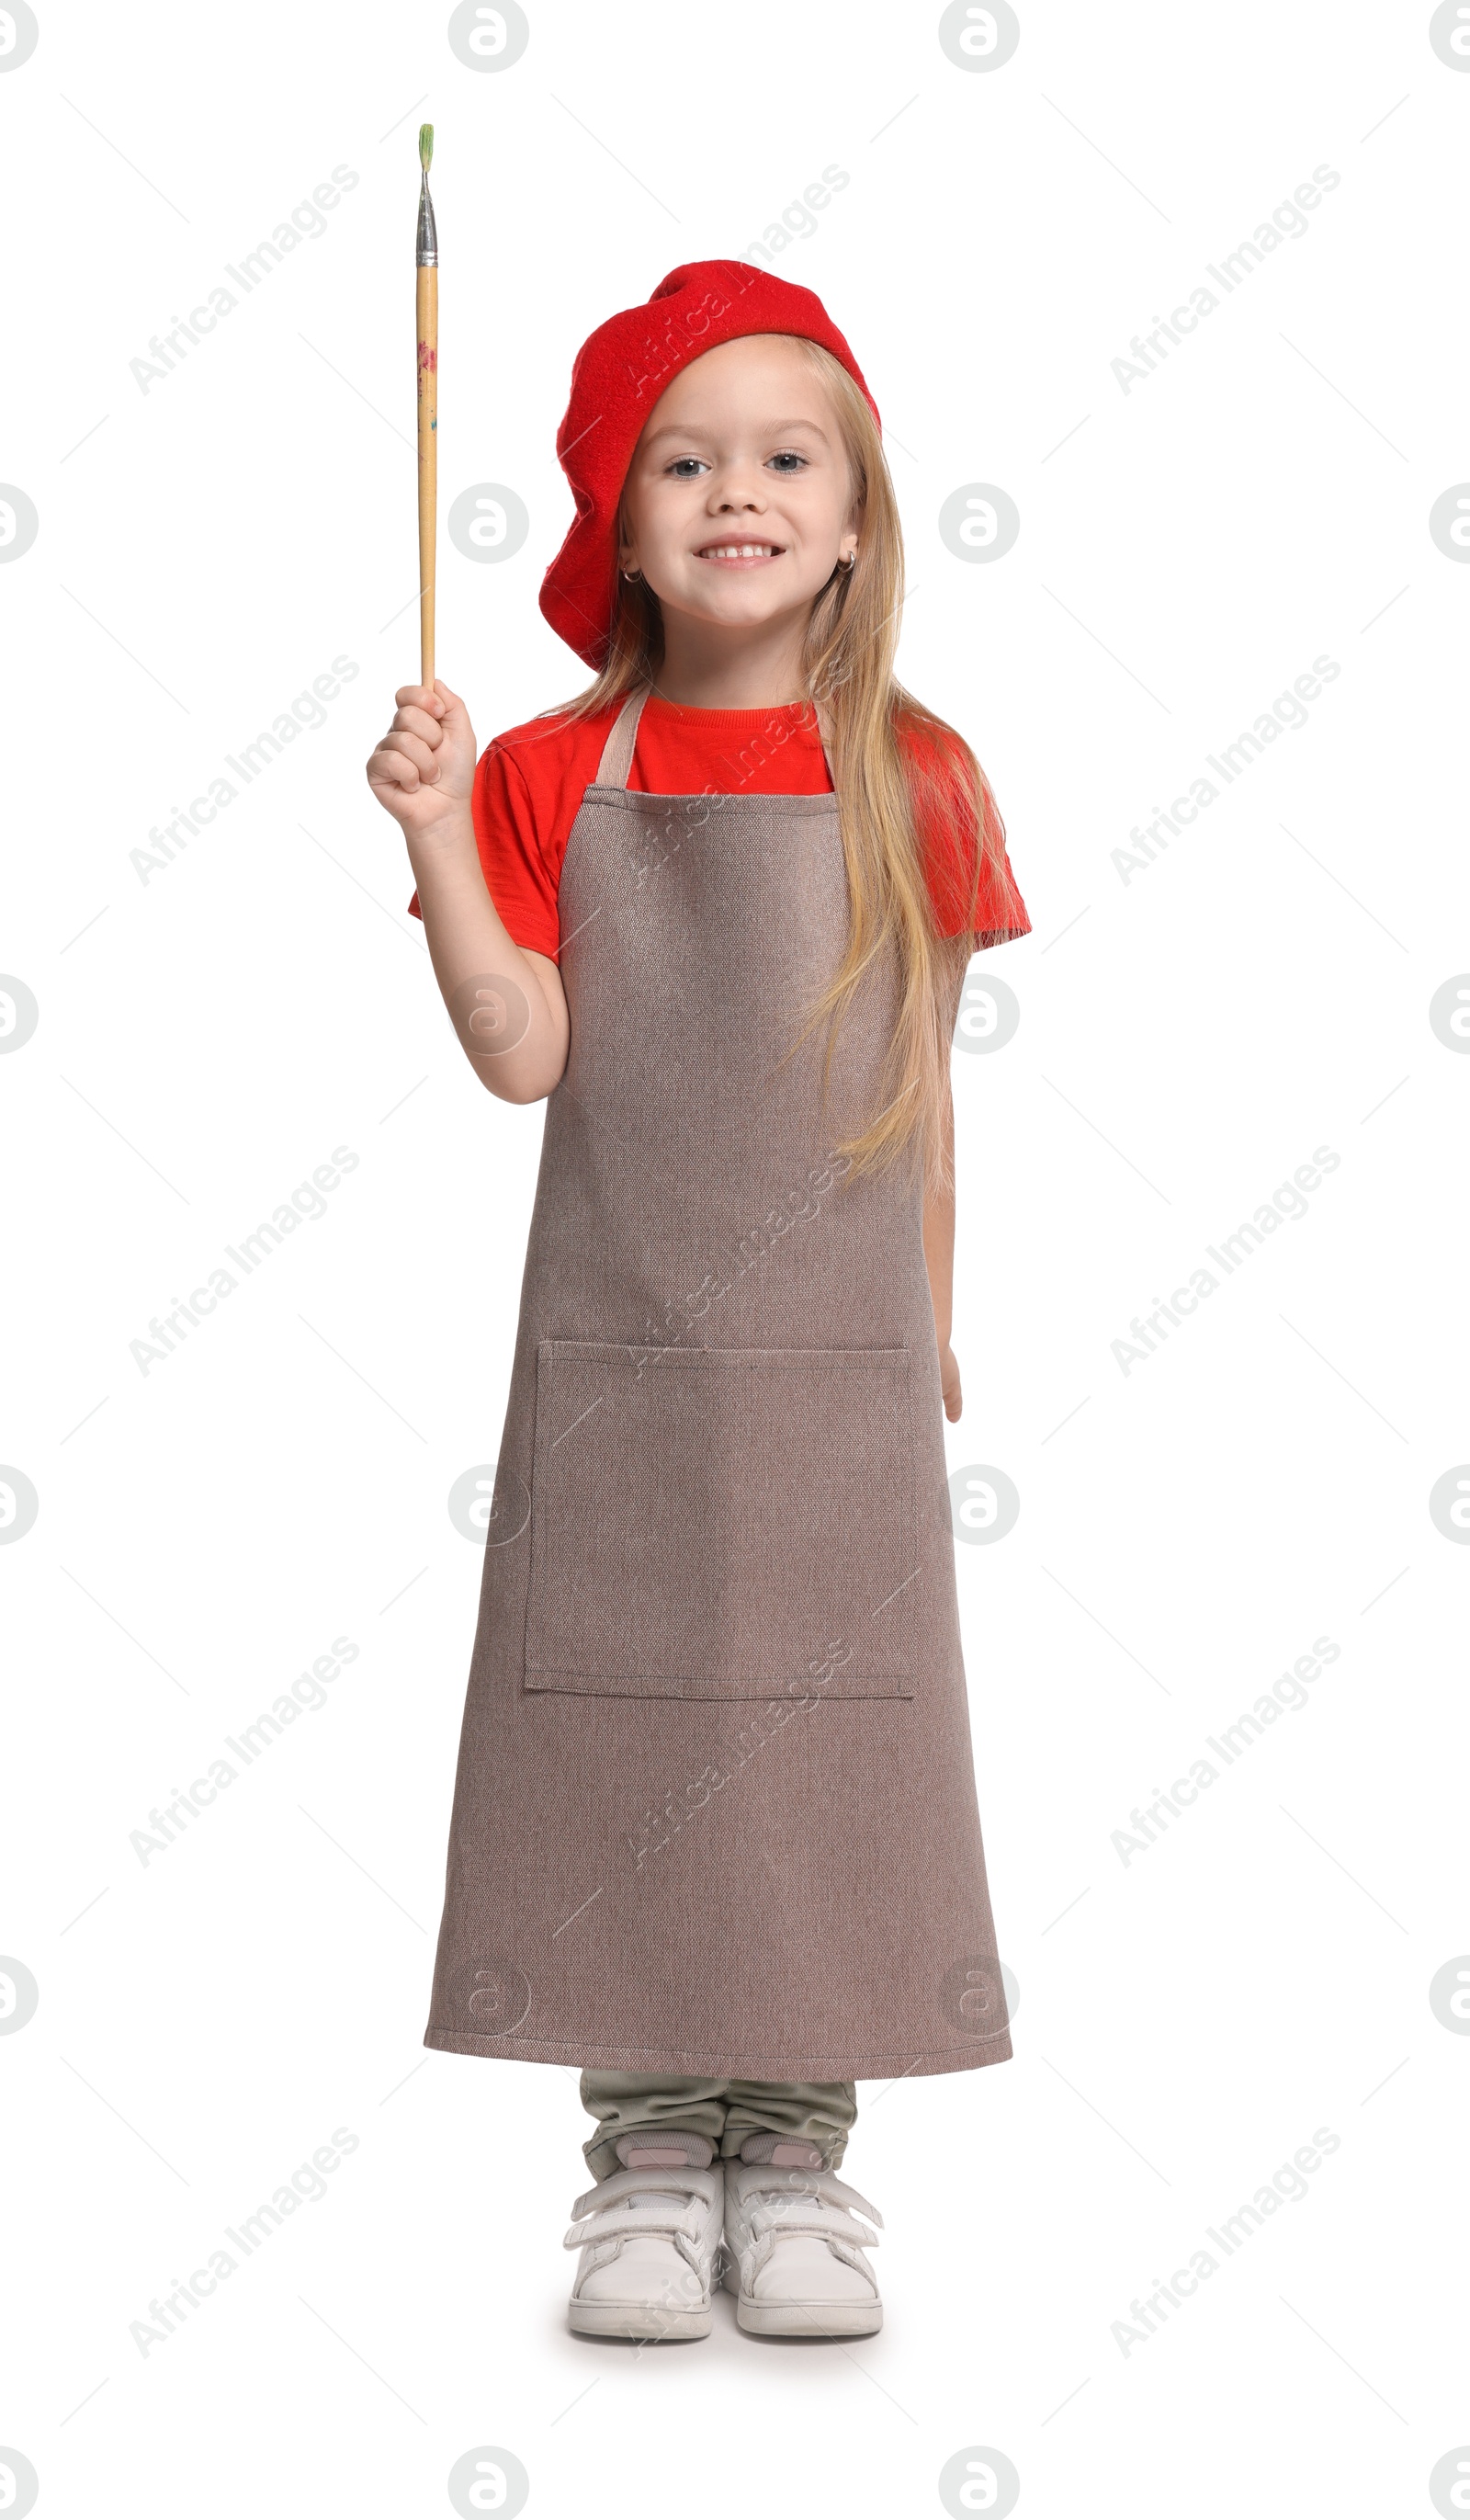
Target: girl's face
column 738, row 504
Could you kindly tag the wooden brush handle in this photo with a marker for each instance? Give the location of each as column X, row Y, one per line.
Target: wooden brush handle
column 428, row 315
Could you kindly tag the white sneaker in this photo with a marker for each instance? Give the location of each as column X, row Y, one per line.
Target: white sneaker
column 796, row 2251
column 649, row 2237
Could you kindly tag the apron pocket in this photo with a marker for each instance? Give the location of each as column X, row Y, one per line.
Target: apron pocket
column 721, row 1522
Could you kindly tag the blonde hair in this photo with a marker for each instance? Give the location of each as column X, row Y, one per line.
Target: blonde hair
column 846, row 667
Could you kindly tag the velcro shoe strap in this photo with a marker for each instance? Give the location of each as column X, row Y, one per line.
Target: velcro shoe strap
column 836, row 2192
column 645, row 2183
column 636, row 2222
column 821, row 2186
column 823, row 2224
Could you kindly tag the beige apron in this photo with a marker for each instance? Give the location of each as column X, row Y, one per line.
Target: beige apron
column 715, row 1810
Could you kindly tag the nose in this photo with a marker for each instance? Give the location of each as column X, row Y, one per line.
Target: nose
column 734, row 492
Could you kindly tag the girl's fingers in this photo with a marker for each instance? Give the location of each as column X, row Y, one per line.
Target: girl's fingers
column 422, row 755
column 417, row 721
column 429, row 727
column 393, row 770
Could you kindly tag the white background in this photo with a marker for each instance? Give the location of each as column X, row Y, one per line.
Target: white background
column 1187, row 1038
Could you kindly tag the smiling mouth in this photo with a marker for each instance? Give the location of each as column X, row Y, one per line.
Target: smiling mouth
column 735, row 553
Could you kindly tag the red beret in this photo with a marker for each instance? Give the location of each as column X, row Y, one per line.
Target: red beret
column 617, row 377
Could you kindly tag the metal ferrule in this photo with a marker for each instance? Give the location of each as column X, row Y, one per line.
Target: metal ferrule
column 428, row 241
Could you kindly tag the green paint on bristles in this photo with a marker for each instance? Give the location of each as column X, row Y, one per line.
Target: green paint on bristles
column 425, row 145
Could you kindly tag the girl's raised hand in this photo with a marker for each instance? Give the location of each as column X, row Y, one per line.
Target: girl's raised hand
column 423, row 768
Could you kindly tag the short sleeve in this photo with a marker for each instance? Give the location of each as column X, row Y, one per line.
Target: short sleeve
column 514, row 853
column 945, row 814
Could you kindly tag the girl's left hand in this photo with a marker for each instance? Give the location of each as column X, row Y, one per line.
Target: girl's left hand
column 949, row 1382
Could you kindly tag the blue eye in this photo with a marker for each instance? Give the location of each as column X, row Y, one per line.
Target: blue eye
column 789, row 461
column 678, row 467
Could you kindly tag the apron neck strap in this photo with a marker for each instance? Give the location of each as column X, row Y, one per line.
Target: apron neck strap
column 617, row 751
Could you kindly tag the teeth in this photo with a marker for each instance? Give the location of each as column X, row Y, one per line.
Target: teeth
column 738, row 550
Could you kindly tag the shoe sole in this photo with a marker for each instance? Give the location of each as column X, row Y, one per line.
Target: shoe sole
column 641, row 2320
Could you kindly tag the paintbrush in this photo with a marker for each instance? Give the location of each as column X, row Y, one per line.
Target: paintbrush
column 427, row 311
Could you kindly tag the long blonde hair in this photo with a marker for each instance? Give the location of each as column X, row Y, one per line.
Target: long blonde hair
column 847, row 665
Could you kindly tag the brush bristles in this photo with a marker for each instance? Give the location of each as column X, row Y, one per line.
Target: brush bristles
column 425, row 145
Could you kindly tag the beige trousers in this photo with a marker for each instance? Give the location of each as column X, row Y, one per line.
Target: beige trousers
column 724, row 2111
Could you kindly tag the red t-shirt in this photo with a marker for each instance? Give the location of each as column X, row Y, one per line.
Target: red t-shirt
column 529, row 784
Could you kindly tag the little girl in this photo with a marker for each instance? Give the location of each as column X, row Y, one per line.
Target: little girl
column 715, row 1838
